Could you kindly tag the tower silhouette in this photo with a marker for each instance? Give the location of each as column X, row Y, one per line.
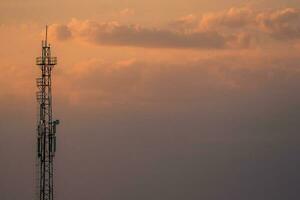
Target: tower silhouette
column 46, row 127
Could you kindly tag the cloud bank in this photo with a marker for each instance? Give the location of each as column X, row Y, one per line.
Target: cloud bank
column 113, row 33
column 238, row 27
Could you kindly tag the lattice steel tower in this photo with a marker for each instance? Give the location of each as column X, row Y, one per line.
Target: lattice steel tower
column 46, row 127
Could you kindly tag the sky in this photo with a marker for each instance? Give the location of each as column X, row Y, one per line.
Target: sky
column 158, row 100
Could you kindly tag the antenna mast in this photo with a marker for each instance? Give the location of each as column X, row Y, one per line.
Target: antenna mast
column 46, row 127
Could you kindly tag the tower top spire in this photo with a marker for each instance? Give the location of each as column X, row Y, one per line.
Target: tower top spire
column 46, row 37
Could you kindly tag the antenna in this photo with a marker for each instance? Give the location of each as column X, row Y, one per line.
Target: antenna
column 46, row 127
column 46, row 37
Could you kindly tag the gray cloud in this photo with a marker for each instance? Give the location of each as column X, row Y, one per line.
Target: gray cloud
column 281, row 24
column 60, row 32
column 235, row 28
column 112, row 33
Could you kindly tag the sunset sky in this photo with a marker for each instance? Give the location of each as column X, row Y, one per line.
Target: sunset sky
column 158, row 100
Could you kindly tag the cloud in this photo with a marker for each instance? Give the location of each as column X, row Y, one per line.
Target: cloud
column 236, row 17
column 282, row 24
column 127, row 12
column 237, row 27
column 59, row 32
column 142, row 83
column 185, row 23
column 113, row 33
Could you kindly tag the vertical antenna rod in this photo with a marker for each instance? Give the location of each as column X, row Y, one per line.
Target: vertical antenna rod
column 46, row 127
column 46, row 34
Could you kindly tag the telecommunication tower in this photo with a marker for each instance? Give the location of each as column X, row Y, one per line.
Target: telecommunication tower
column 46, row 127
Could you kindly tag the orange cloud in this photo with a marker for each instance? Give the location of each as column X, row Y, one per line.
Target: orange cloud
column 280, row 24
column 137, row 83
column 239, row 27
column 127, row 12
column 113, row 33
column 235, row 17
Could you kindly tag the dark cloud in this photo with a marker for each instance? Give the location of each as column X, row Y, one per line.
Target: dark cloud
column 60, row 32
column 282, row 24
column 112, row 33
column 239, row 27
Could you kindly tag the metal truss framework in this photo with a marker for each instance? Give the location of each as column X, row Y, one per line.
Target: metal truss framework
column 46, row 127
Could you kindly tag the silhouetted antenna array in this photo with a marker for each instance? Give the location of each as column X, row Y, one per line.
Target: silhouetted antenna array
column 46, row 127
